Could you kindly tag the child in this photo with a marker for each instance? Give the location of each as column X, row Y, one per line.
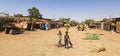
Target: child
column 67, row 40
column 60, row 38
column 78, row 27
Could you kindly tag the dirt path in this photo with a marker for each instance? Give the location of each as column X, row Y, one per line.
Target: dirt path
column 43, row 43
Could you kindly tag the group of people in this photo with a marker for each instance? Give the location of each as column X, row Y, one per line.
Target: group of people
column 32, row 26
column 81, row 27
column 66, row 40
column 44, row 26
column 113, row 27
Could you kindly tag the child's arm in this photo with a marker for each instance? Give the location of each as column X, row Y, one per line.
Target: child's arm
column 58, row 34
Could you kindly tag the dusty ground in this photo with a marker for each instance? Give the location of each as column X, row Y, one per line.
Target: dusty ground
column 43, row 43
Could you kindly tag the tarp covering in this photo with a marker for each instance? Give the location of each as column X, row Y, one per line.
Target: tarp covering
column 118, row 27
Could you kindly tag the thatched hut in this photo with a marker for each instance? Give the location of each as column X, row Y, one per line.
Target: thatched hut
column 1, row 24
column 4, row 21
column 107, row 26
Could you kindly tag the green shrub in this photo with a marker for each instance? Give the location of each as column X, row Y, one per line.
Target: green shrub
column 92, row 36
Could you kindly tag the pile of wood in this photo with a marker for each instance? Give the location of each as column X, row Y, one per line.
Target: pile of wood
column 96, row 49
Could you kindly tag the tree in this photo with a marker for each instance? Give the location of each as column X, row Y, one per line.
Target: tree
column 82, row 22
column 4, row 14
column 18, row 15
column 34, row 13
column 65, row 20
column 89, row 21
column 105, row 20
column 73, row 22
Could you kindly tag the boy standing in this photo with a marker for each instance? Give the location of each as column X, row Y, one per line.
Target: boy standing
column 60, row 38
column 67, row 40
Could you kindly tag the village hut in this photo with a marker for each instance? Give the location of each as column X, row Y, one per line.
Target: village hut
column 4, row 21
column 1, row 24
column 54, row 24
column 97, row 24
column 107, row 26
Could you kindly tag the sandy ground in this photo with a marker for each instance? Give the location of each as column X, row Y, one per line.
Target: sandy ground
column 43, row 43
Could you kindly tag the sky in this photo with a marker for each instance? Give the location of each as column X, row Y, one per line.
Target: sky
column 78, row 10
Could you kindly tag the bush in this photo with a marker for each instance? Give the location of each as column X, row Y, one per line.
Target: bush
column 92, row 36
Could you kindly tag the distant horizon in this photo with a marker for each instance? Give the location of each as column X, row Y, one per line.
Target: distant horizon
column 78, row 10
